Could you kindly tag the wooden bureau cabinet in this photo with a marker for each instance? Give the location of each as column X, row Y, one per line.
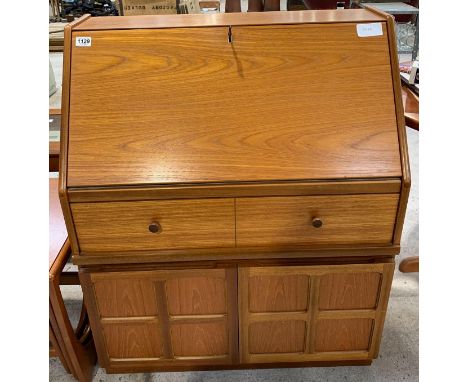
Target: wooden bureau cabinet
column 234, row 186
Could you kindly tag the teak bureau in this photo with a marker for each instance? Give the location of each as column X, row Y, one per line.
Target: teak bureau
column 234, row 186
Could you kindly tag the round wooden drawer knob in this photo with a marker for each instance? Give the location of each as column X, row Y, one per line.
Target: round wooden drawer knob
column 154, row 227
column 317, row 222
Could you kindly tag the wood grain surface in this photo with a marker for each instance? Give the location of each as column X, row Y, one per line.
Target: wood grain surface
column 184, row 105
column 277, row 337
column 352, row 219
column 199, row 339
column 125, row 297
column 228, row 138
column 230, row 6
column 65, row 112
column 375, row 186
column 349, row 291
column 164, row 316
column 343, row 335
column 278, row 293
column 132, row 340
column 410, row 264
column 405, row 165
column 226, row 19
column 343, row 318
column 197, row 295
column 279, row 254
column 200, row 223
column 411, row 106
column 57, row 229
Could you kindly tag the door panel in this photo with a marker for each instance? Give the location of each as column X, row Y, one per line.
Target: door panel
column 277, row 337
column 278, row 293
column 197, row 295
column 343, row 335
column 167, row 317
column 126, row 297
column 133, row 340
column 349, row 291
column 200, row 339
column 312, row 312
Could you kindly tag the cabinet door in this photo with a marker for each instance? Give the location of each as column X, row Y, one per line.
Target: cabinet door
column 150, row 318
column 307, row 313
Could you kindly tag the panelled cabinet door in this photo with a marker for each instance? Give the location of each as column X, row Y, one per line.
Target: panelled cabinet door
column 307, row 313
column 165, row 317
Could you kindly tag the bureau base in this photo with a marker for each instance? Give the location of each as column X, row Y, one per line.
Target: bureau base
column 161, row 369
column 237, row 316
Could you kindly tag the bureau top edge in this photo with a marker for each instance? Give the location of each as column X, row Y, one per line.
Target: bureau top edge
column 203, row 191
column 338, row 182
column 228, row 19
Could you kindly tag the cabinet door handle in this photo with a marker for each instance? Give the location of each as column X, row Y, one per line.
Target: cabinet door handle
column 317, row 222
column 155, row 227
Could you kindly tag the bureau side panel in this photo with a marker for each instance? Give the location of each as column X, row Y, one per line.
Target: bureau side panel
column 64, row 130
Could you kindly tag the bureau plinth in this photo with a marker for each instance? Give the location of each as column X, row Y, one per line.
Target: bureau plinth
column 234, row 186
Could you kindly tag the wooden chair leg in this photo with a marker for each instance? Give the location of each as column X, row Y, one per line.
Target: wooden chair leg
column 255, row 6
column 232, row 6
column 60, row 347
column 69, row 278
column 82, row 361
column 56, row 351
column 82, row 323
column 410, row 264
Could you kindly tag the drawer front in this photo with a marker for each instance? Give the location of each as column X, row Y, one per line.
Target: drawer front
column 307, row 313
column 305, row 220
column 154, row 225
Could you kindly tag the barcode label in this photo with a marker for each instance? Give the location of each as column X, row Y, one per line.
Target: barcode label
column 368, row 30
column 83, row 41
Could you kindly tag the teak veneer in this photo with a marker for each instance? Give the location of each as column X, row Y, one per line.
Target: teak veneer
column 234, row 186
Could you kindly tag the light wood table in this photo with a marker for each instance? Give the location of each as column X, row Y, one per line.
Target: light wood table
column 75, row 348
column 55, row 119
column 411, row 105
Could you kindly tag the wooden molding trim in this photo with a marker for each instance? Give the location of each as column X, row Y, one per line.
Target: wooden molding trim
column 400, row 112
column 230, row 19
column 54, row 111
column 65, row 111
column 96, row 194
column 233, row 254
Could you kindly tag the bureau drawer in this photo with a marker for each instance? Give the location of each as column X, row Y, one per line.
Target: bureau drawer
column 154, row 225
column 305, row 220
